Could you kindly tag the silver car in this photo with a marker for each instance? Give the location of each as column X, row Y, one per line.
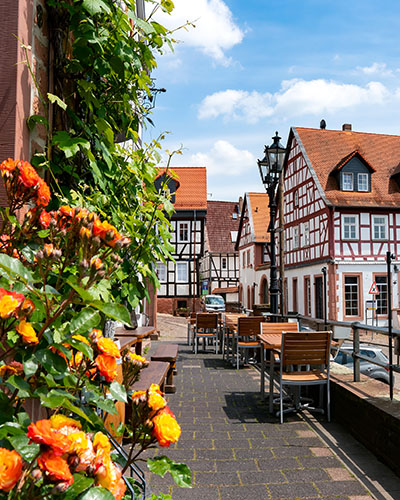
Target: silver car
column 377, row 372
column 213, row 303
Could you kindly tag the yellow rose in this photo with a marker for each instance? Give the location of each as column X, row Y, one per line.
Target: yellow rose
column 27, row 332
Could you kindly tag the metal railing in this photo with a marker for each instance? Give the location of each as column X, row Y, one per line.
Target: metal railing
column 355, row 328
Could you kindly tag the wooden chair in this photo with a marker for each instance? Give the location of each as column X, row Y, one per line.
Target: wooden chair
column 190, row 327
column 206, row 327
column 246, row 336
column 275, row 330
column 304, row 361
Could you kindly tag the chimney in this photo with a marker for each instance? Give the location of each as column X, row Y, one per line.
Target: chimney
column 240, row 205
column 346, row 127
column 322, row 124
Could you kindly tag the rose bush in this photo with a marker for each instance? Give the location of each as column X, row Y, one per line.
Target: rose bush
column 54, row 298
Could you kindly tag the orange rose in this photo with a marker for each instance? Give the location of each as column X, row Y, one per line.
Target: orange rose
column 55, row 467
column 17, row 296
column 43, row 433
column 44, row 219
column 7, row 306
column 27, row 332
column 84, row 233
column 166, row 429
column 66, row 210
column 81, row 338
column 96, row 263
column 109, row 477
column 98, row 229
column 27, row 174
column 109, row 347
column 27, row 307
column 59, row 421
column 106, row 366
column 43, row 193
column 8, row 165
column 10, row 469
column 83, row 212
column 14, row 368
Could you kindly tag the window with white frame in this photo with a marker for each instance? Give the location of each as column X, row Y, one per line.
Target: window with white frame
column 347, row 181
column 296, row 239
column 224, row 262
column 183, row 232
column 296, row 198
column 161, row 272
column 181, row 272
column 362, row 182
column 307, row 296
column 379, row 227
column 382, row 298
column 306, row 234
column 350, row 227
column 351, row 295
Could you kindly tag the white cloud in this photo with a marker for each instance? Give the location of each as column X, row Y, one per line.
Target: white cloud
column 296, row 97
column 376, row 69
column 215, row 31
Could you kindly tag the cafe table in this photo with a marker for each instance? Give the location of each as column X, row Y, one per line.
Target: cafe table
column 230, row 323
column 270, row 342
column 140, row 333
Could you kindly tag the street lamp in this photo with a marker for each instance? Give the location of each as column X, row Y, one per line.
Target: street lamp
column 270, row 170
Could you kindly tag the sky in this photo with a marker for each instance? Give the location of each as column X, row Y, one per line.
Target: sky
column 252, row 67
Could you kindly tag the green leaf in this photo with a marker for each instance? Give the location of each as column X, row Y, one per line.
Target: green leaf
column 84, row 294
column 81, row 483
column 21, row 444
column 70, row 145
column 55, row 99
column 97, row 493
column 107, row 405
column 51, row 362
column 95, row 6
column 143, row 25
column 85, row 349
column 87, row 319
column 69, row 406
column 34, row 119
column 30, row 367
column 117, row 312
column 21, row 384
column 180, row 473
column 118, row 392
column 14, row 268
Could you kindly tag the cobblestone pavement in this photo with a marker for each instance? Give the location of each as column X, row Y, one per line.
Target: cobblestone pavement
column 236, row 450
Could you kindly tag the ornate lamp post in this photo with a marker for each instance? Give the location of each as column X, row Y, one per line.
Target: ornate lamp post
column 270, row 169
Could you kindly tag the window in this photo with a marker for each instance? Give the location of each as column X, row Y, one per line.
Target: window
column 382, row 298
column 248, row 258
column 351, row 295
column 350, row 227
column 306, row 234
column 234, row 236
column 379, row 227
column 347, row 181
column 244, row 260
column 307, row 296
column 362, row 182
column 296, row 198
column 181, row 272
column 224, row 262
column 296, row 242
column 183, row 232
column 161, row 272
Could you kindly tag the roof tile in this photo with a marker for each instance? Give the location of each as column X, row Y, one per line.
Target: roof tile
column 220, row 223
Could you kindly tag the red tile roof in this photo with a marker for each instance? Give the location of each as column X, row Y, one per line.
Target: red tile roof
column 192, row 191
column 219, row 225
column 232, row 289
column 259, row 213
column 326, row 149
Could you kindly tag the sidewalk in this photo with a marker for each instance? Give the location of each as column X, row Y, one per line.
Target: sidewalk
column 236, row 450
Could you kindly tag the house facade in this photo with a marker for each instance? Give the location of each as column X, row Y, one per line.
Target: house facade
column 253, row 248
column 341, row 217
column 179, row 276
column 219, row 268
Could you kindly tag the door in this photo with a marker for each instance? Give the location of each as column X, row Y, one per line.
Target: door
column 319, row 298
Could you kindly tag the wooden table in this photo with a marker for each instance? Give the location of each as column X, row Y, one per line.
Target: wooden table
column 230, row 323
column 140, row 333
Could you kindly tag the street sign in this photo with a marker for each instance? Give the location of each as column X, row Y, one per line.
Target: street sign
column 374, row 289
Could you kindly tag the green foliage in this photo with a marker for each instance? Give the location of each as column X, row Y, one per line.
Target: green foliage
column 104, row 55
column 180, row 472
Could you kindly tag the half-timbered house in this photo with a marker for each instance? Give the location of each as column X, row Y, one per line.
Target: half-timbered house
column 341, row 213
column 219, row 268
column 179, row 278
column 252, row 245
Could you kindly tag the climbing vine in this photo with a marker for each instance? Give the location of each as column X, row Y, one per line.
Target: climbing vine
column 101, row 58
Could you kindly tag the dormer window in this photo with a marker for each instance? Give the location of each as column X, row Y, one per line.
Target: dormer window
column 347, row 181
column 362, row 182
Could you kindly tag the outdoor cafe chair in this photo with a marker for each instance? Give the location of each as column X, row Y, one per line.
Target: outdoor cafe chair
column 207, row 328
column 246, row 336
column 304, row 361
column 190, row 327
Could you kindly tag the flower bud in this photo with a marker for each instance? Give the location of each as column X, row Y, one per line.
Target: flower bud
column 36, row 474
column 59, row 488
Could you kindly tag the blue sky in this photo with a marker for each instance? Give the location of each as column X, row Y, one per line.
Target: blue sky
column 251, row 67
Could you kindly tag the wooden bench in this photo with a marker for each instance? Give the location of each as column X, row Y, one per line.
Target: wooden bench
column 154, row 373
column 167, row 353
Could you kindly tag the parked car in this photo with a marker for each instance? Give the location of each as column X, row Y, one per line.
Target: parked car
column 213, row 303
column 377, row 372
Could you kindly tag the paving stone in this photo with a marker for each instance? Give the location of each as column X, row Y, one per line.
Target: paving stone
column 262, row 477
column 291, row 451
column 278, row 463
column 202, row 493
column 214, row 454
column 339, row 474
column 231, row 443
column 186, row 444
column 216, row 478
column 237, row 465
column 256, row 492
column 202, row 465
column 292, row 490
column 321, row 462
column 306, row 475
column 274, row 442
column 341, row 488
column 253, row 453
